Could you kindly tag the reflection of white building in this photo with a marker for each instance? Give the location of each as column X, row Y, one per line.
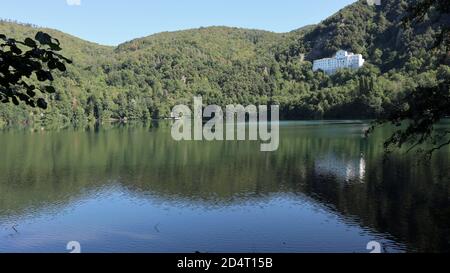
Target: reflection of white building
column 342, row 59
column 346, row 170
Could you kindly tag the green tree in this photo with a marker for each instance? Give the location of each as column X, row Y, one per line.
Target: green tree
column 423, row 107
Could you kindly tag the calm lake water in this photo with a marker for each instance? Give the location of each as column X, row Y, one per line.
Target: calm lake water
column 134, row 189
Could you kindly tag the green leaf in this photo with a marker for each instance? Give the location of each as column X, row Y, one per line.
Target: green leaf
column 16, row 50
column 23, row 97
column 61, row 66
column 30, row 42
column 50, row 89
column 43, row 75
column 15, row 101
column 43, row 38
column 31, row 93
column 41, row 103
column 69, row 61
column 52, row 64
column 54, row 47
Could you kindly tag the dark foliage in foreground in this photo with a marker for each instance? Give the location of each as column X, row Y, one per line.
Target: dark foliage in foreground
column 31, row 59
column 423, row 107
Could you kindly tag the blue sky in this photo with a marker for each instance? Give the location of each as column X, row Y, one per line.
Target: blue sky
column 111, row 22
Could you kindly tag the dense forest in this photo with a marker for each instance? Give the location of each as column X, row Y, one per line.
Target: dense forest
column 144, row 78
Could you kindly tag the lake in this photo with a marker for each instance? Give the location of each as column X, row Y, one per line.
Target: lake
column 134, row 189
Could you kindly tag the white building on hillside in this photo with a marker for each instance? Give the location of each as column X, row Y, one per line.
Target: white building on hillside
column 343, row 59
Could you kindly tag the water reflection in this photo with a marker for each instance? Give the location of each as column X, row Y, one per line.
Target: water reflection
column 345, row 171
column 135, row 189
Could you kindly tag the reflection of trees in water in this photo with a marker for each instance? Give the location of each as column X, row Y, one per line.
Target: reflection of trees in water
column 400, row 198
column 335, row 167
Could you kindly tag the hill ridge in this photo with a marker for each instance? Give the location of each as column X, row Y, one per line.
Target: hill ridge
column 145, row 77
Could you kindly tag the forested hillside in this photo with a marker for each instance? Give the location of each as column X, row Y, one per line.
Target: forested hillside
column 146, row 77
